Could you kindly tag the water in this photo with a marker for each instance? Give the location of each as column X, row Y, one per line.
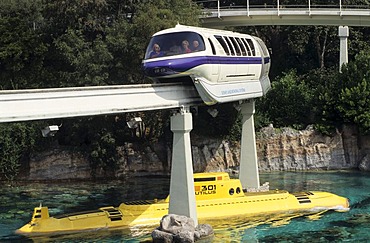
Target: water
column 17, row 203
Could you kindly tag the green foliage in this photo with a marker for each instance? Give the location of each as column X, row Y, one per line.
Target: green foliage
column 324, row 82
column 353, row 102
column 288, row 103
column 86, row 62
column 226, row 120
column 260, row 119
column 16, row 141
column 21, row 48
column 344, row 97
column 103, row 151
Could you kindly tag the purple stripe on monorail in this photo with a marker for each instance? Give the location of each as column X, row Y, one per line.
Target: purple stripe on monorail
column 178, row 65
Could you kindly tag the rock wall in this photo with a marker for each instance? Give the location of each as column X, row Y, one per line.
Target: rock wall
column 58, row 164
column 277, row 149
column 288, row 149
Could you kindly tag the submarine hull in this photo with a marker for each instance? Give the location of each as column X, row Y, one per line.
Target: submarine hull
column 140, row 213
column 217, row 196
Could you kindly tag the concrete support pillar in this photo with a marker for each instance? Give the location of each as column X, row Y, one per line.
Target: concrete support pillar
column 248, row 172
column 182, row 194
column 343, row 33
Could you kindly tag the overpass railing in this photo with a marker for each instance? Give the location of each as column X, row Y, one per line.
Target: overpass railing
column 308, row 5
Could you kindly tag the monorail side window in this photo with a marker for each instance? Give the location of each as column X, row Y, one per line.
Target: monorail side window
column 212, row 47
column 230, row 45
column 177, row 43
column 247, row 46
column 223, row 44
column 250, row 42
column 242, row 46
column 236, row 46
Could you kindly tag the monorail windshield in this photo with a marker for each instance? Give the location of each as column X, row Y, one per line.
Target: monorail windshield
column 174, row 44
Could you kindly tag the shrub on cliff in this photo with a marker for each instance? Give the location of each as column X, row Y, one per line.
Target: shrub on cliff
column 353, row 103
column 17, row 140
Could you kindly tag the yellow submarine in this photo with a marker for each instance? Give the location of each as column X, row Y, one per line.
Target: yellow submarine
column 217, row 196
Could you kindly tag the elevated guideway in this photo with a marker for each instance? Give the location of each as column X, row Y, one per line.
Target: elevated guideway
column 37, row 104
column 217, row 15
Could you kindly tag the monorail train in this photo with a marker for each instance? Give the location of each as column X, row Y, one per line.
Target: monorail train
column 224, row 66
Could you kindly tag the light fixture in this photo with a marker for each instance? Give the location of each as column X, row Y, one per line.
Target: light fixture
column 134, row 122
column 50, row 131
column 213, row 112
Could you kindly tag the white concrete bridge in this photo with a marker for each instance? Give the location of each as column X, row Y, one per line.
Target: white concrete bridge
column 308, row 12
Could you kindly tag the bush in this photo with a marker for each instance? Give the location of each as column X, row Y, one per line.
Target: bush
column 288, row 103
column 16, row 141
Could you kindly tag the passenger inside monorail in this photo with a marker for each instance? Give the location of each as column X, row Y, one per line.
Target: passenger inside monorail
column 172, row 44
column 156, row 52
column 195, row 45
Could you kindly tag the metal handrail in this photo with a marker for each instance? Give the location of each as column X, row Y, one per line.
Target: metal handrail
column 219, row 5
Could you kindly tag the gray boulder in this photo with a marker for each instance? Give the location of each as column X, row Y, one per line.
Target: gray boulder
column 180, row 229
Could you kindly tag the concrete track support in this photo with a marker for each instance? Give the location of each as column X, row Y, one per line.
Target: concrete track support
column 343, row 33
column 182, row 194
column 248, row 172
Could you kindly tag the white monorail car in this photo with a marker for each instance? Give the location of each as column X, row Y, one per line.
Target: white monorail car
column 224, row 65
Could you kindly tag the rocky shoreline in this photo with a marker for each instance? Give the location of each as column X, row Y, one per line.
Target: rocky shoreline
column 278, row 150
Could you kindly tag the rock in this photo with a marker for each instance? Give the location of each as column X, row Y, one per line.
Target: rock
column 282, row 149
column 202, row 230
column 180, row 229
column 161, row 236
column 175, row 224
column 287, row 149
column 59, row 164
column 365, row 163
column 184, row 237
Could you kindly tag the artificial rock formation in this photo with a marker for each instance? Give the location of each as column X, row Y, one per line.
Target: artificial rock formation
column 292, row 150
column 278, row 150
column 180, row 229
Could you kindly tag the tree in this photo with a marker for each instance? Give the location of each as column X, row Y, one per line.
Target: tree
column 288, row 103
column 354, row 96
column 17, row 140
column 21, row 47
column 86, row 62
column 75, row 33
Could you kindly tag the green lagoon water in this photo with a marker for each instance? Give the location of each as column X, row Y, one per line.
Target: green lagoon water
column 17, row 203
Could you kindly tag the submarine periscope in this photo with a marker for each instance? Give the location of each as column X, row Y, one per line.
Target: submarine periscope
column 217, row 196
